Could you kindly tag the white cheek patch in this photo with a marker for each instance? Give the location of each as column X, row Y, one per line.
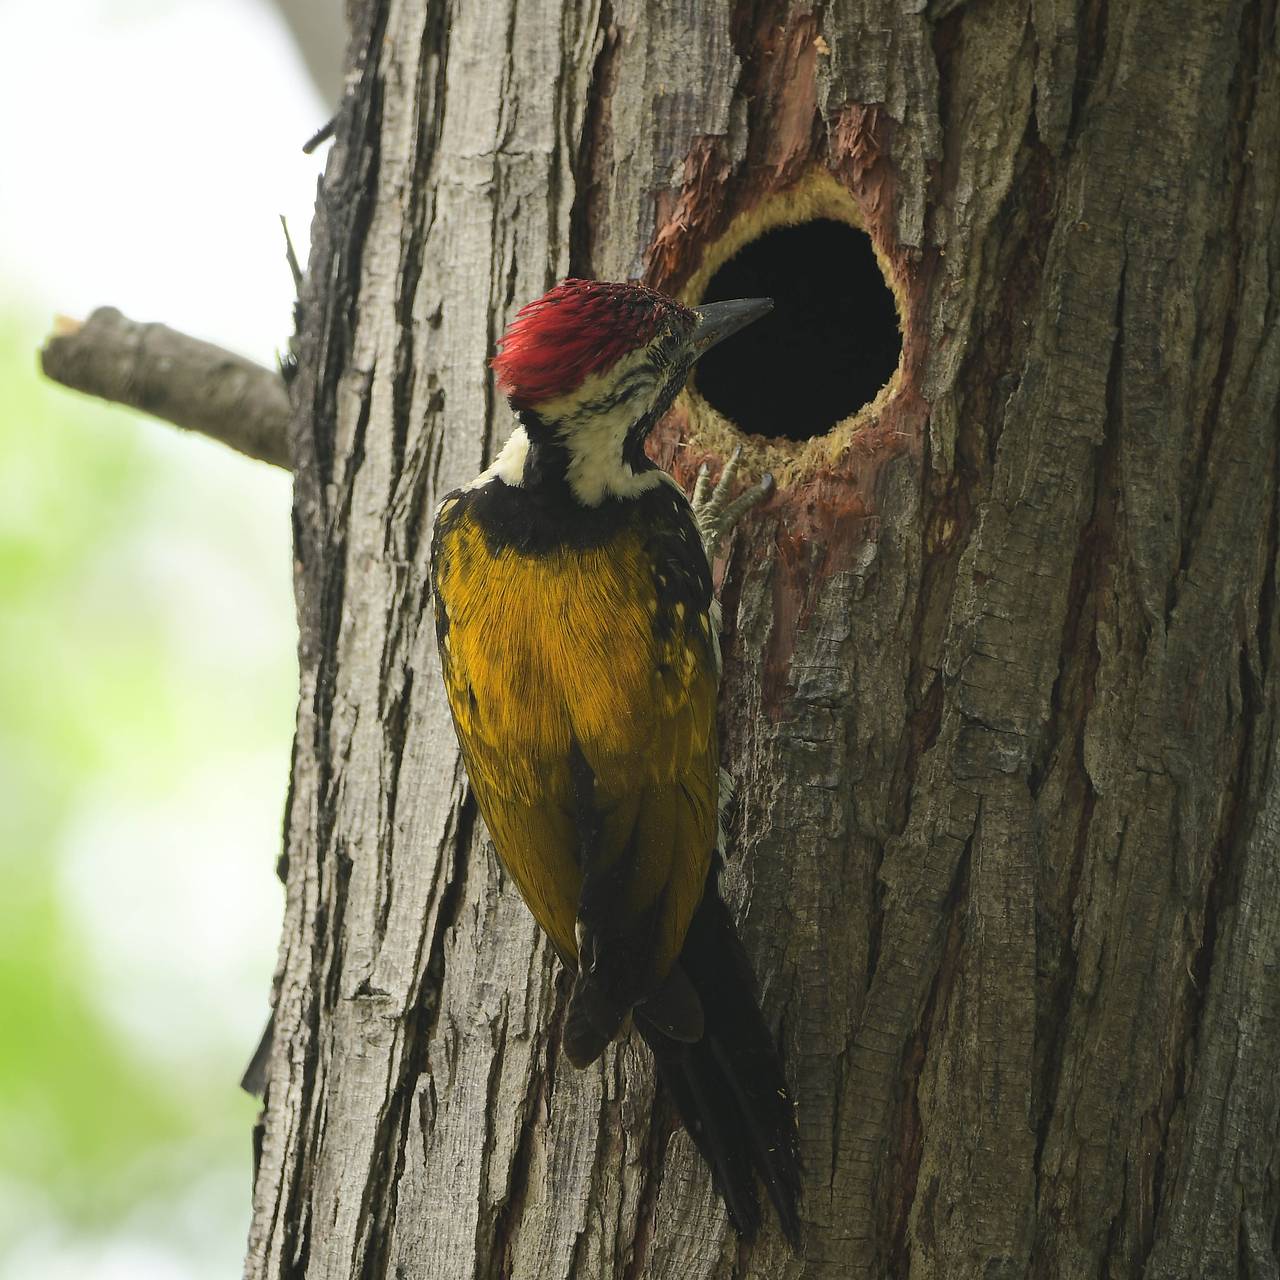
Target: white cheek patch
column 594, row 439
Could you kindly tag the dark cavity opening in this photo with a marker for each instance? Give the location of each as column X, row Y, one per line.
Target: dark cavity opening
column 827, row 347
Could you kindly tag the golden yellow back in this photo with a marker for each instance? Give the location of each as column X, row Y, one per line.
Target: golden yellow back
column 575, row 654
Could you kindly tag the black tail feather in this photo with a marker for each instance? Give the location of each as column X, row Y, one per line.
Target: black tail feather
column 729, row 1087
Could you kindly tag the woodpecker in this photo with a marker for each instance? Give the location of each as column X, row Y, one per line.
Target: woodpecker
column 579, row 646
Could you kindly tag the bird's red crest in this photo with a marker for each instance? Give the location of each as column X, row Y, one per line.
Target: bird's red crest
column 579, row 328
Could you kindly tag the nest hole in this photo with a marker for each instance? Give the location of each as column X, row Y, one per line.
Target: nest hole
column 826, row 349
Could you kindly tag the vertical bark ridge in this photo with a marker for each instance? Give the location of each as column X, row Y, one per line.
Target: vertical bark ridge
column 1001, row 699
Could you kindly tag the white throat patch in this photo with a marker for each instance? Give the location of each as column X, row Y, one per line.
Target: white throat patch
column 596, row 468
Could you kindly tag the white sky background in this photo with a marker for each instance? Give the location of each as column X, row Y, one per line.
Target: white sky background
column 148, row 148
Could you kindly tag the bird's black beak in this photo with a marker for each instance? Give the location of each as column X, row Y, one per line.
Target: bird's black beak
column 718, row 320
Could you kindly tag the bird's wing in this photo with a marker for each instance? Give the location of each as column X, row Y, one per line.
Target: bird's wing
column 583, row 688
column 512, row 730
column 648, row 829
column 646, row 799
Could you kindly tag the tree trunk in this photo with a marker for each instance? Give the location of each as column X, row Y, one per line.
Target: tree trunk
column 1001, row 656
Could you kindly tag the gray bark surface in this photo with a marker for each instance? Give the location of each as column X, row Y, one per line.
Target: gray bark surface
column 1001, row 674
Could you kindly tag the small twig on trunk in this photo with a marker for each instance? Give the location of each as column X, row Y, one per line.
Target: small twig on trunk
column 291, row 256
column 321, row 135
column 185, row 381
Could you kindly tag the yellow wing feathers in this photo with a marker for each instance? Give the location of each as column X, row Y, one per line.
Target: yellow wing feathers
column 573, row 654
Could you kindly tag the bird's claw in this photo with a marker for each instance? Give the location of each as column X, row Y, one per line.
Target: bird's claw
column 715, row 513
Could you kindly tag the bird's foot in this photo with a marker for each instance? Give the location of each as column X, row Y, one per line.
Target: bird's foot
column 715, row 513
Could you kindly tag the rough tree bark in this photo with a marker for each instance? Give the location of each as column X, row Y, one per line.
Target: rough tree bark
column 1001, row 682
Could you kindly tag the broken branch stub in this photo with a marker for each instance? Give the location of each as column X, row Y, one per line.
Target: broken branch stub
column 187, row 382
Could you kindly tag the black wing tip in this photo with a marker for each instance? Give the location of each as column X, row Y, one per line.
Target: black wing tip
column 675, row 1009
column 583, row 1042
column 593, row 1021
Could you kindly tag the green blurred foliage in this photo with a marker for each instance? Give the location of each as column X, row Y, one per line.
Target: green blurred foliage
column 99, row 697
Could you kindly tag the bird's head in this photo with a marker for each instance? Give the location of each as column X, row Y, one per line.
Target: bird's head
column 591, row 366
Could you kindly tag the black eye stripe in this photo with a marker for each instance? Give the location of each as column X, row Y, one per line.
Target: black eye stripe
column 638, row 378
